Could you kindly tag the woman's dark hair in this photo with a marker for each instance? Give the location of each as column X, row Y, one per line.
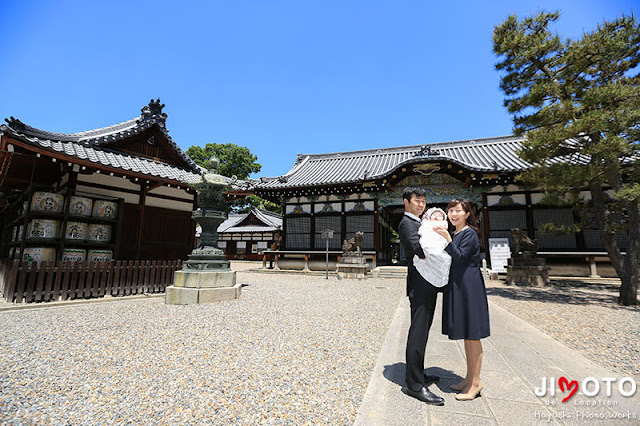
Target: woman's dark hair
column 472, row 222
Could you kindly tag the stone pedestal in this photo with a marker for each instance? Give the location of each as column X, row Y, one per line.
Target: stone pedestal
column 352, row 267
column 190, row 287
column 529, row 271
column 205, row 278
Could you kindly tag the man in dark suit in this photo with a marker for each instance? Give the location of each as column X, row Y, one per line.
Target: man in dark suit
column 422, row 297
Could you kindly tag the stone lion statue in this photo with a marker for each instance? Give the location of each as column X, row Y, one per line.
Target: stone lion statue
column 354, row 245
column 523, row 245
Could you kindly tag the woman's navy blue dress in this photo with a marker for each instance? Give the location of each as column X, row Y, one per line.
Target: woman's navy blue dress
column 465, row 311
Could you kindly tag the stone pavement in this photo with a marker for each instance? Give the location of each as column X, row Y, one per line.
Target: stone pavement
column 517, row 357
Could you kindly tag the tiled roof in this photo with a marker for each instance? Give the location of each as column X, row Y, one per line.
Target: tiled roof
column 89, row 145
column 253, row 228
column 270, row 218
column 272, row 222
column 498, row 154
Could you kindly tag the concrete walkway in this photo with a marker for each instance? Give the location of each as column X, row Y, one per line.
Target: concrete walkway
column 517, row 357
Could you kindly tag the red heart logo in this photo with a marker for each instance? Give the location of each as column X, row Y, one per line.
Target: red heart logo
column 562, row 382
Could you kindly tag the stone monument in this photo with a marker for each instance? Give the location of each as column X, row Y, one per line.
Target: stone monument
column 206, row 276
column 352, row 264
column 524, row 268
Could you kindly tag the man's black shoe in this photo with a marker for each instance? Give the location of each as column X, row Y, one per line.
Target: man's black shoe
column 429, row 380
column 425, row 395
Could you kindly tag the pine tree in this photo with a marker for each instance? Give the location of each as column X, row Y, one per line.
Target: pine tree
column 578, row 103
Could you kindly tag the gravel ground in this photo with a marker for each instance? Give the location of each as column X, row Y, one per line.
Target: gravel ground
column 581, row 313
column 292, row 350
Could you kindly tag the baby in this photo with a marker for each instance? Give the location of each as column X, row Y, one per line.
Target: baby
column 435, row 266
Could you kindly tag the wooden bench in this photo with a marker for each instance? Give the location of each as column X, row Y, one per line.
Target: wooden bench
column 274, row 256
column 590, row 256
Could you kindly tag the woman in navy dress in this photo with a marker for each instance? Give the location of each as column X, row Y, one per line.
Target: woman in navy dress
column 465, row 312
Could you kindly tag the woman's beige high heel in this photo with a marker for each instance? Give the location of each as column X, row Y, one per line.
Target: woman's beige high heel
column 469, row 396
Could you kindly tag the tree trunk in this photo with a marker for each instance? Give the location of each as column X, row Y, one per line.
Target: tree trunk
column 602, row 220
column 629, row 287
column 625, row 268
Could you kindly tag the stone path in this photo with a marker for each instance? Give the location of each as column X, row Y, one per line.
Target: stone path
column 516, row 358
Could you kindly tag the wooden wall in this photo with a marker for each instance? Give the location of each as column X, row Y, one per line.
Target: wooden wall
column 166, row 234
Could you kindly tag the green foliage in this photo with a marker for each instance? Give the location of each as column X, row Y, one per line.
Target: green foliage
column 395, row 237
column 576, row 100
column 578, row 103
column 552, row 228
column 234, row 160
column 629, row 192
column 251, row 201
column 559, row 199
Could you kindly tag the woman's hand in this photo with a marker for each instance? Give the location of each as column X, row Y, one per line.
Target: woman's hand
column 444, row 232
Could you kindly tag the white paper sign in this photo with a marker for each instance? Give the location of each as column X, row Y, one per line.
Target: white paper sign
column 499, row 251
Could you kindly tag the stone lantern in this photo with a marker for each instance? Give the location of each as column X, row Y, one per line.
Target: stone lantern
column 206, row 276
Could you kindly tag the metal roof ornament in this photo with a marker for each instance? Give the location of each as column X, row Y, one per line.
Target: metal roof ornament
column 426, row 151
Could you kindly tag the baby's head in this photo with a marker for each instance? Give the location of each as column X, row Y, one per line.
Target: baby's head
column 436, row 214
column 439, row 216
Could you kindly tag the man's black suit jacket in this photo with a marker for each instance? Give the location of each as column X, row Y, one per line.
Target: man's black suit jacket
column 410, row 240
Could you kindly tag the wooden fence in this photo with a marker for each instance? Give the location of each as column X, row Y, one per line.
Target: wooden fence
column 52, row 281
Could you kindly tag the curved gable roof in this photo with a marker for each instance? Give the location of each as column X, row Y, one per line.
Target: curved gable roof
column 92, row 145
column 498, row 154
column 271, row 222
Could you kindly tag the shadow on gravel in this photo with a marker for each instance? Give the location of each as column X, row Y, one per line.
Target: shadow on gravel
column 395, row 373
column 565, row 292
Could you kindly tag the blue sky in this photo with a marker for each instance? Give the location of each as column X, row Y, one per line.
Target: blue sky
column 278, row 77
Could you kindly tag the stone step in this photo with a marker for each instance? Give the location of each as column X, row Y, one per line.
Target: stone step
column 392, row 276
column 527, row 269
column 390, row 272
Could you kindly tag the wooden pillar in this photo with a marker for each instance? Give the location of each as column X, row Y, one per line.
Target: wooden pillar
column 192, row 241
column 376, row 228
column 531, row 228
column 72, row 182
column 312, row 229
column 7, row 156
column 283, row 233
column 485, row 222
column 142, row 198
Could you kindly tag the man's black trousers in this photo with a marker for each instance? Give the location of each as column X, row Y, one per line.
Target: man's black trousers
column 423, row 304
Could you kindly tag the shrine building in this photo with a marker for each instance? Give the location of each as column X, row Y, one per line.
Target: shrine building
column 362, row 191
column 134, row 167
column 248, row 235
